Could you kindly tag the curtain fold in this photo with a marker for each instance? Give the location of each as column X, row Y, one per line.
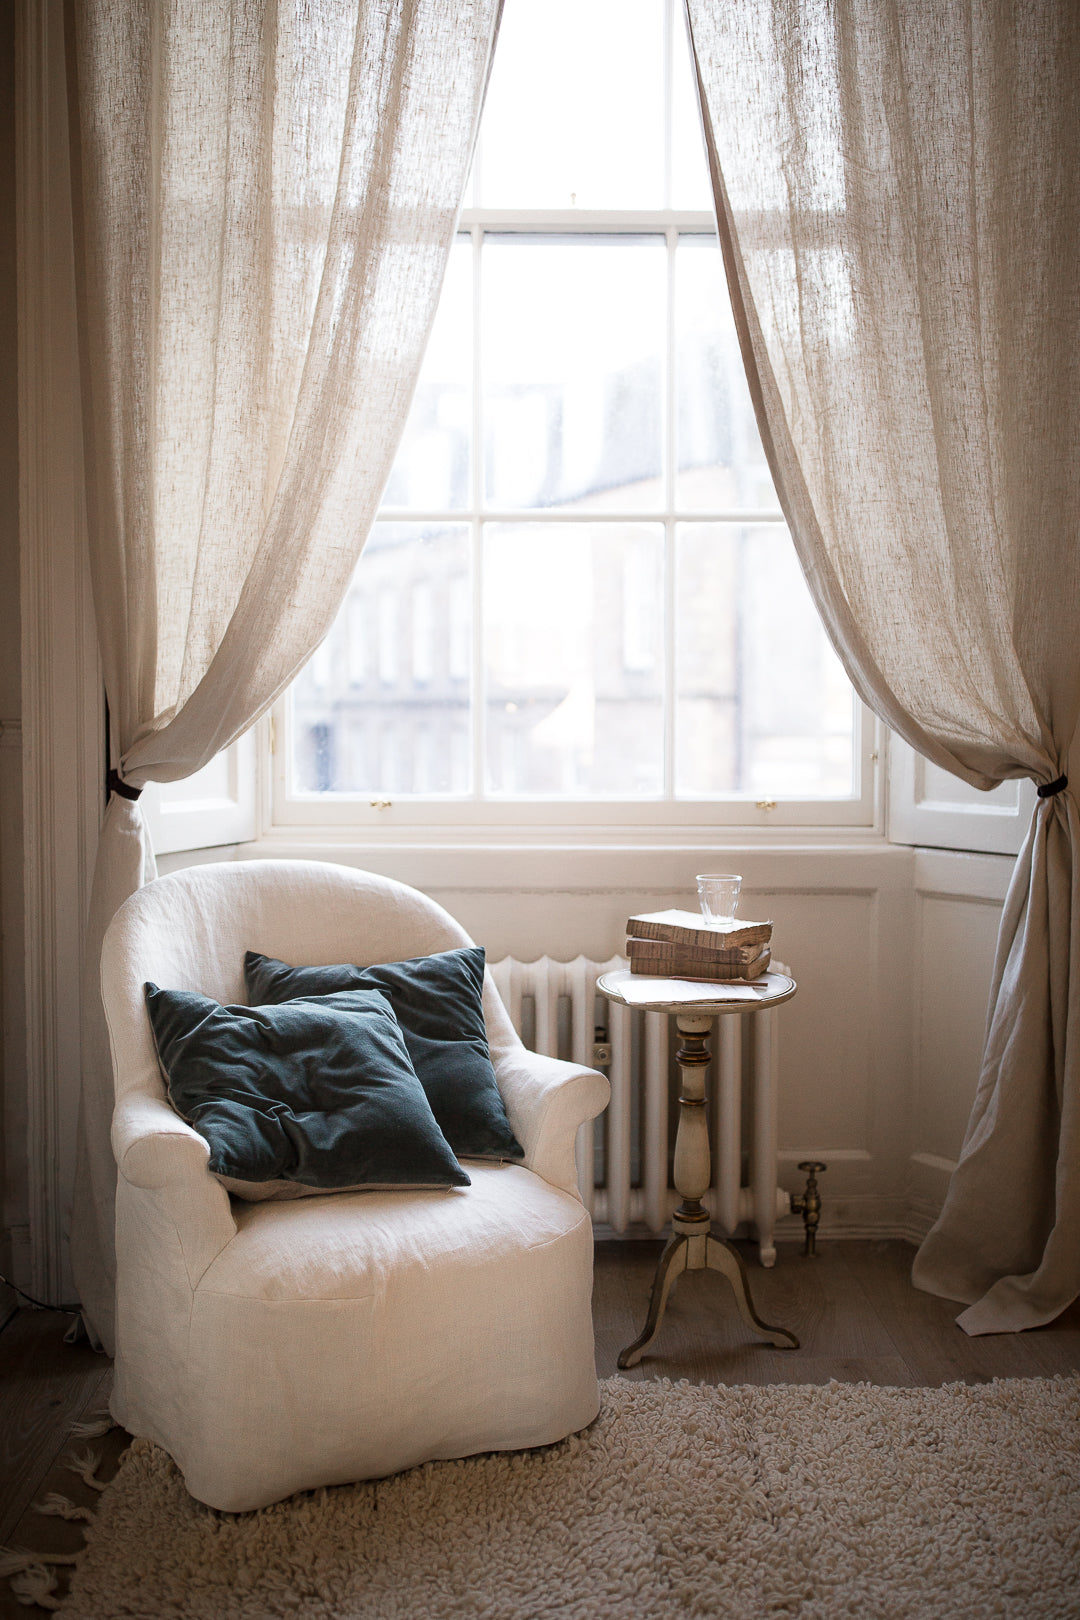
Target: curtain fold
column 265, row 194
column 898, row 201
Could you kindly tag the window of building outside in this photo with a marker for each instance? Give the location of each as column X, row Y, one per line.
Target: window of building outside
column 580, row 600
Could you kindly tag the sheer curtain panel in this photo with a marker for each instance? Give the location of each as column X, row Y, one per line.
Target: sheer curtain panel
column 898, row 197
column 265, row 196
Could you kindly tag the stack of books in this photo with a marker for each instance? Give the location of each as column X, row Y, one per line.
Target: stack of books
column 677, row 945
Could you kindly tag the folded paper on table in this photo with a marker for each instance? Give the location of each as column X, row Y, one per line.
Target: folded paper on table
column 640, row 989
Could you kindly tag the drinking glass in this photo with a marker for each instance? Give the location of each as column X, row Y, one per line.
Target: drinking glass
column 719, row 894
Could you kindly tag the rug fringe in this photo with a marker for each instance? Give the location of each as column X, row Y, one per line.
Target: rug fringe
column 93, row 1428
column 83, row 1463
column 62, row 1507
column 30, row 1577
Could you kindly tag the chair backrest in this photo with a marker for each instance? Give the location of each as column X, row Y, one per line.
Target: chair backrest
column 189, row 931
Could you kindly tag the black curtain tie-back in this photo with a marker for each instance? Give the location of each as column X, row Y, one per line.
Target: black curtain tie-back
column 125, row 789
column 1048, row 789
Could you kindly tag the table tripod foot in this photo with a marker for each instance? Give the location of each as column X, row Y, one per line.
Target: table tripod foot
column 671, row 1265
column 720, row 1256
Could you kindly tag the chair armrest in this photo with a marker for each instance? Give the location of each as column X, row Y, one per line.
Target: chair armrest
column 153, row 1145
column 546, row 1101
column 157, row 1152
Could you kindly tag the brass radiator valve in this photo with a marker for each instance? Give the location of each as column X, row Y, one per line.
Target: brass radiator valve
column 808, row 1203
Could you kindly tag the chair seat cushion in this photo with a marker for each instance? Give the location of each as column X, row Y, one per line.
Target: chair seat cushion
column 317, row 1092
column 438, row 1001
column 355, row 1245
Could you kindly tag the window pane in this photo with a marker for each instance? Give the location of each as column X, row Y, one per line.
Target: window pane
column 763, row 706
column 383, row 706
column 431, row 470
column 573, row 335
column 721, row 464
column 574, row 659
column 691, row 186
column 574, row 110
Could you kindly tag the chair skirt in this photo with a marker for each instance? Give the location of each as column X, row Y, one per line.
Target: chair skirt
column 349, row 1336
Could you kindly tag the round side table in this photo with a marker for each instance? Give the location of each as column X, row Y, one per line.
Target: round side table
column 693, row 1246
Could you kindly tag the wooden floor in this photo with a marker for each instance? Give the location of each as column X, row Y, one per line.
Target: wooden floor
column 852, row 1306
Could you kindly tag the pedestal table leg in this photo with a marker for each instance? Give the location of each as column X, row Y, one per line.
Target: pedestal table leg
column 692, row 1247
column 720, row 1256
column 672, row 1264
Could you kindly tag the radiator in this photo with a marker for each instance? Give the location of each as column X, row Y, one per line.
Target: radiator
column 624, row 1157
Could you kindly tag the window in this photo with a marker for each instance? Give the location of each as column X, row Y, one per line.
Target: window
column 580, row 601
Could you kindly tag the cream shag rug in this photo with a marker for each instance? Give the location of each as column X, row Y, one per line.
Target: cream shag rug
column 823, row 1502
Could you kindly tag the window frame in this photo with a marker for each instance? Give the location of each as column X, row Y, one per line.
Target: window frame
column 291, row 809
column 444, row 819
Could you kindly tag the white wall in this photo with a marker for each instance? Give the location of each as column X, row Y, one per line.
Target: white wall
column 957, row 910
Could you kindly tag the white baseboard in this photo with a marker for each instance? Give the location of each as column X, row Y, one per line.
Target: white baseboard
column 922, row 1213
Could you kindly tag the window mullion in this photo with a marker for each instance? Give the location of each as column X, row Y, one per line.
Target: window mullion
column 476, row 532
column 670, row 472
column 587, row 221
column 669, row 109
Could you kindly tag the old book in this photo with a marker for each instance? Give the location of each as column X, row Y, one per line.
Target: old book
column 664, row 950
column 687, row 928
column 682, row 967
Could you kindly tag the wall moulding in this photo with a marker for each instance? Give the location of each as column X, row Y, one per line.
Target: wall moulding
column 928, row 1182
column 954, row 942
column 531, row 865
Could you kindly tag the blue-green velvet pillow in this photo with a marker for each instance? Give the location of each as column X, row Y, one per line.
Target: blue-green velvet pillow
column 318, row 1092
column 439, row 1005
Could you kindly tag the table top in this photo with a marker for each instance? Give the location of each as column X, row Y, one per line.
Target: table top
column 695, row 997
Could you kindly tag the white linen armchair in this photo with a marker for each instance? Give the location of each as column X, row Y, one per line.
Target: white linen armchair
column 274, row 1347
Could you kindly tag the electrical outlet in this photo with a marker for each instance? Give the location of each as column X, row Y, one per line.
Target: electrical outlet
column 601, row 1054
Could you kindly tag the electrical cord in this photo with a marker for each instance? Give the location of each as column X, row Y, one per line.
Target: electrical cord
column 39, row 1304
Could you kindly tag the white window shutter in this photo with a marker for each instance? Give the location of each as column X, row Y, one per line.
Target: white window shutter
column 215, row 806
column 934, row 809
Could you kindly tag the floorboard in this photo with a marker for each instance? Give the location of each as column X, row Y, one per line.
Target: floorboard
column 938, row 1352
column 852, row 1306
column 45, row 1386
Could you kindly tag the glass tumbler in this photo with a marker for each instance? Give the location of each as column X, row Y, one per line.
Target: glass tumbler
column 719, row 895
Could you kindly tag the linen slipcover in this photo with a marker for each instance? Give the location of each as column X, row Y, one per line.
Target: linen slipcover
column 275, row 1347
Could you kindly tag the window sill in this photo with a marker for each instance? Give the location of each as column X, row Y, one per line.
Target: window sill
column 517, row 863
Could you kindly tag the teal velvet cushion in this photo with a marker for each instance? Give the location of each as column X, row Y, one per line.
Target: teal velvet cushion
column 439, row 1005
column 315, row 1092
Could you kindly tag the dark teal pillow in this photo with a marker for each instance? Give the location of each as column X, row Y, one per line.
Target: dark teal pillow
column 439, row 1005
column 317, row 1092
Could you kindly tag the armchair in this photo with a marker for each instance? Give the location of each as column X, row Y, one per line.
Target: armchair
column 275, row 1347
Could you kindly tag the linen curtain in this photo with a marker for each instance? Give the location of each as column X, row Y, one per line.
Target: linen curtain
column 897, row 197
column 265, row 196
